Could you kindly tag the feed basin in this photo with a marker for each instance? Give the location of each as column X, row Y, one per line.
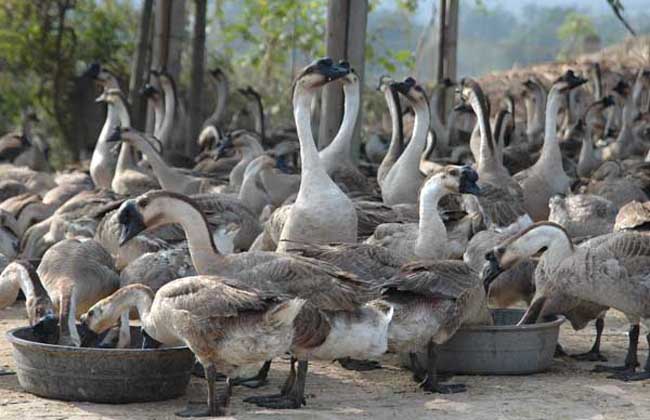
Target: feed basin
column 97, row 374
column 500, row 349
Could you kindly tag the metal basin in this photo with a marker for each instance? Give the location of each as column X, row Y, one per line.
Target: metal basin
column 500, row 349
column 100, row 375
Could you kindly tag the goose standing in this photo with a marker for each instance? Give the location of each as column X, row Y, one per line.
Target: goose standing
column 547, row 177
column 226, row 326
column 322, row 213
column 103, row 160
column 389, row 89
column 403, row 181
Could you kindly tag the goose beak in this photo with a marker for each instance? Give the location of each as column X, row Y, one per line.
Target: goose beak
column 101, row 98
column 468, row 178
column 130, row 220
column 334, row 71
column 404, row 87
column 463, row 107
column 46, row 329
column 148, row 91
column 490, row 271
column 88, row 336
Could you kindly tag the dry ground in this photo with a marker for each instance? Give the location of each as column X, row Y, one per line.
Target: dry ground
column 568, row 391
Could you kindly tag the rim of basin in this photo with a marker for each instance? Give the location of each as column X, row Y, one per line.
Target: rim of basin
column 559, row 319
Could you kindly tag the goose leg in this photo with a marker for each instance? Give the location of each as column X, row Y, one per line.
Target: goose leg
column 294, row 398
column 211, row 408
column 258, row 380
column 358, row 365
column 431, row 383
column 419, row 374
column 594, row 355
column 286, row 387
column 636, row 376
column 631, row 360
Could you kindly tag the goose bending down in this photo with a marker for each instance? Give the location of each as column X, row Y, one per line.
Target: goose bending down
column 226, row 325
column 608, row 271
column 389, row 89
column 428, row 239
column 170, row 178
column 501, row 197
column 20, row 275
column 547, row 177
column 403, row 180
column 336, row 158
column 76, row 275
column 322, row 213
column 128, row 178
column 583, row 215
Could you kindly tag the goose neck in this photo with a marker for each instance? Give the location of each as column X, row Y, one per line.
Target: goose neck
column 15, row 278
column 310, row 162
column 415, row 147
column 341, row 146
column 170, row 111
column 431, row 229
column 554, row 239
column 164, row 174
column 140, row 298
column 487, row 155
column 159, row 116
column 551, row 149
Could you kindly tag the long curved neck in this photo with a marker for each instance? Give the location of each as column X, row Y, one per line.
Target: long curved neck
column 341, row 145
column 487, row 151
column 126, row 159
column 554, row 239
column 159, row 115
column 432, row 234
column 551, row 154
column 258, row 116
column 222, row 97
column 540, row 107
column 413, row 151
column 167, row 177
column 436, row 104
column 135, row 296
column 112, row 121
column 170, row 112
column 311, row 166
column 201, row 245
column 397, row 135
column 586, row 160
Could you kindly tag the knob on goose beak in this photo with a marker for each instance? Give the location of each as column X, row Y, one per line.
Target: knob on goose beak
column 405, row 86
column 326, row 67
column 491, row 270
column 130, row 220
column 468, row 178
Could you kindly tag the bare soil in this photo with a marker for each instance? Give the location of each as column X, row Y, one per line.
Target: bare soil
column 568, row 391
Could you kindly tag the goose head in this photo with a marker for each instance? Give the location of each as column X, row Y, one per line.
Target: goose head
column 412, row 91
column 524, row 244
column 454, row 179
column 622, row 88
column 149, row 91
column 568, row 81
column 40, row 310
column 147, row 211
column 319, row 73
column 101, row 76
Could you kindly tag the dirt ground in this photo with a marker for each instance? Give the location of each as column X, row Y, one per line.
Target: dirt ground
column 568, row 391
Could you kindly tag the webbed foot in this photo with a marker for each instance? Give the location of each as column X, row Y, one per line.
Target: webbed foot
column 631, row 376
column 358, row 365
column 614, row 369
column 429, row 385
column 590, row 356
column 277, row 401
column 200, row 410
column 252, row 383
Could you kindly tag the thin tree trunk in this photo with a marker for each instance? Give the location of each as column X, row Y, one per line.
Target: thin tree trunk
column 198, row 68
column 138, row 70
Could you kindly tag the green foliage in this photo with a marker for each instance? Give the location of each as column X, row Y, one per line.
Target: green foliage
column 45, row 43
column 575, row 28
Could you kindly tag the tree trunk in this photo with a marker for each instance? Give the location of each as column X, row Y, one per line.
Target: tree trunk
column 345, row 39
column 138, row 70
column 198, row 70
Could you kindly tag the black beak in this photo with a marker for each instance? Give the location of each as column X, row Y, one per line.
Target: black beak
column 130, row 220
column 332, row 71
column 46, row 329
column 620, row 88
column 463, row 107
column 148, row 91
column 88, row 336
column 405, row 86
column 468, row 178
column 115, row 136
column 491, row 270
column 148, row 342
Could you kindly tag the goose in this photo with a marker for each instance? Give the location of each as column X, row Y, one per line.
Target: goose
column 23, row 148
column 633, row 216
column 583, row 215
column 166, row 83
column 403, row 180
column 536, row 107
column 11, row 188
column 502, row 199
column 431, row 300
column 626, row 142
column 570, row 277
column 23, row 211
column 336, row 158
column 155, row 100
column 612, row 183
column 220, row 80
column 8, row 239
column 322, row 212
column 256, row 109
column 249, row 147
column 547, row 177
column 428, row 239
column 225, row 324
column 169, row 178
column 389, row 88
column 76, row 274
column 590, row 159
column 128, row 179
column 440, row 131
column 33, row 181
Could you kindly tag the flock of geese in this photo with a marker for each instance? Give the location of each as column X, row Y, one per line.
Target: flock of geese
column 269, row 246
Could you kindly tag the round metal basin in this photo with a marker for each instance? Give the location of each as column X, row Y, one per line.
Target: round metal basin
column 500, row 349
column 100, row 375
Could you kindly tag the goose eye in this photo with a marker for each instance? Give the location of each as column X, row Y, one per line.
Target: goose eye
column 453, row 172
column 91, row 313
